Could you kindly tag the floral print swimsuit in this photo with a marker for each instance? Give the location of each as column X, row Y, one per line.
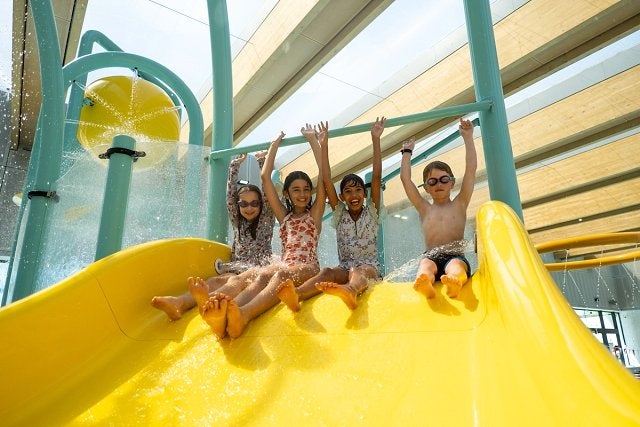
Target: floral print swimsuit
column 299, row 237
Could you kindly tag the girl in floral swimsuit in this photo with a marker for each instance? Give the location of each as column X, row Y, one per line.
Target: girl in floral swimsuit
column 300, row 224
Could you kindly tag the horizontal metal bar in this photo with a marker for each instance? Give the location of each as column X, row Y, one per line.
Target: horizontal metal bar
column 437, row 113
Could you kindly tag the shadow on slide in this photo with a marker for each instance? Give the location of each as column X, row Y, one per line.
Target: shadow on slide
column 510, row 351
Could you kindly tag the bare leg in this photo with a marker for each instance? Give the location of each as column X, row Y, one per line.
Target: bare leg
column 214, row 312
column 424, row 285
column 345, row 292
column 236, row 321
column 239, row 317
column 292, row 295
column 199, row 291
column 426, row 278
column 175, row 307
column 345, row 285
column 455, row 277
column 286, row 291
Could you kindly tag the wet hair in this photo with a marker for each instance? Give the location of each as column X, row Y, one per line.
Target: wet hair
column 352, row 179
column 435, row 165
column 287, row 183
column 252, row 225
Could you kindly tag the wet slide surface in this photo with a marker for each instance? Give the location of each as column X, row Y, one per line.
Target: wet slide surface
column 510, row 351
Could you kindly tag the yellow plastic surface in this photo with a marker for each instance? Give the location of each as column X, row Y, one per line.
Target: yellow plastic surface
column 509, row 352
column 131, row 106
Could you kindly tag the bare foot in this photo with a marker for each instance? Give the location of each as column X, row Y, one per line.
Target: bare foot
column 424, row 285
column 214, row 312
column 288, row 295
column 199, row 290
column 453, row 283
column 348, row 296
column 170, row 305
column 235, row 320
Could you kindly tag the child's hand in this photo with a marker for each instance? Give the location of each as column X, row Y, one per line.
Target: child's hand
column 309, row 132
column 241, row 158
column 279, row 138
column 260, row 155
column 409, row 144
column 323, row 132
column 465, row 128
column 378, row 127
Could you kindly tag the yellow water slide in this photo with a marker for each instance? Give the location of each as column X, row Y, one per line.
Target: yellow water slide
column 510, row 351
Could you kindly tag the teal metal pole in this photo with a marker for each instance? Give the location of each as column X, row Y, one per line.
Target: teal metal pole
column 438, row 113
column 501, row 172
column 52, row 115
column 222, row 135
column 116, row 196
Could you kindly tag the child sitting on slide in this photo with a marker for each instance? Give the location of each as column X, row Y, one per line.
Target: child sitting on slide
column 252, row 221
column 300, row 224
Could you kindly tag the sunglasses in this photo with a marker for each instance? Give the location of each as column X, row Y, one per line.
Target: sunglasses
column 443, row 180
column 253, row 203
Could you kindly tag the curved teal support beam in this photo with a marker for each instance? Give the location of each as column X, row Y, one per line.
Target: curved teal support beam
column 498, row 154
column 222, row 136
column 95, row 61
column 49, row 154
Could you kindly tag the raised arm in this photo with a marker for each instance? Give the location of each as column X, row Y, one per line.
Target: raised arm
column 325, row 179
column 268, row 188
column 376, row 175
column 317, row 209
column 405, row 175
column 232, row 188
column 471, row 163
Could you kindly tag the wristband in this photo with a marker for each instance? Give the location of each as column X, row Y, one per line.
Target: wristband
column 406, row 150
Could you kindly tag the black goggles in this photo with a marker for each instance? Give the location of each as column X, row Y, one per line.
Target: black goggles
column 443, row 180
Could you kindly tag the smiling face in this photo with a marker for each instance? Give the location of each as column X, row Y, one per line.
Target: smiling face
column 353, row 195
column 299, row 193
column 250, row 205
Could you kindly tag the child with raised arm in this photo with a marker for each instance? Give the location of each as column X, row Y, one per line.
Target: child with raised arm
column 252, row 221
column 444, row 219
column 356, row 232
column 300, row 224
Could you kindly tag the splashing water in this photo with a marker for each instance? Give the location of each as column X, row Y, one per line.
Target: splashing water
column 457, row 247
column 409, row 268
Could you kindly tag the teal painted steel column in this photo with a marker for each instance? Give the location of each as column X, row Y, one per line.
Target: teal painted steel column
column 222, row 135
column 116, row 197
column 501, row 172
column 50, row 153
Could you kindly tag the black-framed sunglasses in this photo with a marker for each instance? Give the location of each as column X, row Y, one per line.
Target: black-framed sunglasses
column 443, row 180
column 253, row 203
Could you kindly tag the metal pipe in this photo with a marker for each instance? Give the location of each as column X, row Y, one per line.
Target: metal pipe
column 47, row 169
column 116, row 196
column 501, row 171
column 437, row 113
column 222, row 135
